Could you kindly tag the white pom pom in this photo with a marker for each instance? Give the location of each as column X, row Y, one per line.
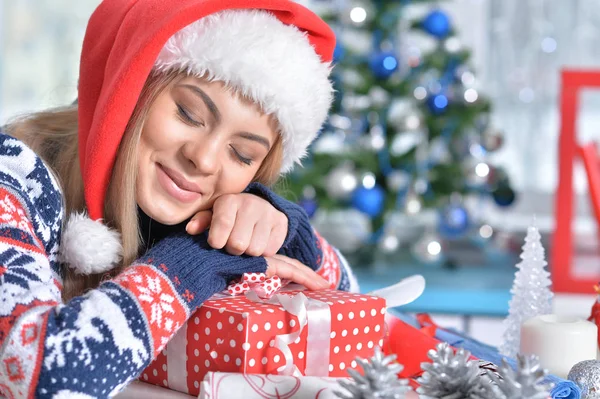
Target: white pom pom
column 89, row 246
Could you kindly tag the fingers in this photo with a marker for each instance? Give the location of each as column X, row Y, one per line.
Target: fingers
column 276, row 238
column 243, row 224
column 221, row 225
column 241, row 234
column 259, row 240
column 290, row 269
column 199, row 222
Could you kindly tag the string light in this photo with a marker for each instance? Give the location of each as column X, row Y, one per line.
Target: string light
column 482, row 169
column 368, row 181
column 471, row 95
column 434, row 248
column 358, row 15
column 420, row 93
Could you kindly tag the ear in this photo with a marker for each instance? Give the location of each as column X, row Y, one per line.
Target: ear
column 89, row 246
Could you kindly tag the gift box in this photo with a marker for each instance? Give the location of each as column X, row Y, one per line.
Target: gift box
column 252, row 386
column 315, row 333
column 259, row 386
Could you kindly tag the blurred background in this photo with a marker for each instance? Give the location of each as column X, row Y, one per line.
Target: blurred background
column 441, row 147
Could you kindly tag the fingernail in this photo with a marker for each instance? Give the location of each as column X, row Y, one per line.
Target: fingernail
column 325, row 283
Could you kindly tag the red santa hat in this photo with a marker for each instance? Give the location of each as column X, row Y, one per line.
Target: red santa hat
column 276, row 52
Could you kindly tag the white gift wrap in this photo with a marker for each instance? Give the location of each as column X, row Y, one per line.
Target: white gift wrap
column 258, row 386
column 559, row 341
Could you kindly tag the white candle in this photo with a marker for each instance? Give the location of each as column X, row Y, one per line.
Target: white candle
column 559, row 341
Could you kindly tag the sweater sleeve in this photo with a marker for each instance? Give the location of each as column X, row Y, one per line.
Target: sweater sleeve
column 305, row 244
column 96, row 343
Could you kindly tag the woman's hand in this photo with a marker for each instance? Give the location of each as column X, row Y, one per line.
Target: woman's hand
column 291, row 269
column 242, row 224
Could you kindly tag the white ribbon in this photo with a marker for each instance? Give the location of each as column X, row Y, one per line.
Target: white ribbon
column 310, row 312
column 176, row 364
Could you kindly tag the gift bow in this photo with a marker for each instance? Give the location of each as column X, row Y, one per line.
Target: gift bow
column 258, row 288
column 307, row 311
column 264, row 287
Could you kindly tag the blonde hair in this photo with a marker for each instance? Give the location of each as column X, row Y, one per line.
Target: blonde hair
column 52, row 134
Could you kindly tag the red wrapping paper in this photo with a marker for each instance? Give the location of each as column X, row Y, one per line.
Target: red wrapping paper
column 234, row 334
column 411, row 345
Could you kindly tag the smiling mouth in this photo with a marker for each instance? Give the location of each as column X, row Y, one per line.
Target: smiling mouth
column 175, row 187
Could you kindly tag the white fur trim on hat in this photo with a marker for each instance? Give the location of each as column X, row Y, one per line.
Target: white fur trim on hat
column 269, row 62
column 89, row 246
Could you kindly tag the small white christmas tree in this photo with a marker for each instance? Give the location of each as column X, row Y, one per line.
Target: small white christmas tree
column 531, row 294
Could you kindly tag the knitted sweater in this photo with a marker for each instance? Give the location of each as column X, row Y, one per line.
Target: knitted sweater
column 96, row 343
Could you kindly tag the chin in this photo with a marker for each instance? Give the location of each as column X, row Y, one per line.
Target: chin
column 165, row 212
column 167, row 220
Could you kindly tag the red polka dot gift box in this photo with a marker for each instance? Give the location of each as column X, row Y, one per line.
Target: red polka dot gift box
column 317, row 333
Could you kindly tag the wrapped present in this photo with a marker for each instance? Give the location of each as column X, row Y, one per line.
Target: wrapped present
column 257, row 386
column 253, row 386
column 297, row 332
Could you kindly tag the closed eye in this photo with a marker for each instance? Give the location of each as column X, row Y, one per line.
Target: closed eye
column 240, row 157
column 186, row 117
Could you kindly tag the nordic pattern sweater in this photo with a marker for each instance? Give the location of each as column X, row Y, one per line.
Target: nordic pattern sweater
column 96, row 343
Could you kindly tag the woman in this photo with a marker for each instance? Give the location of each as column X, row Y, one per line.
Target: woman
column 187, row 110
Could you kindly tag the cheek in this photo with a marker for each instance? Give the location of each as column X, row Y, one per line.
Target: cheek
column 235, row 179
column 161, row 133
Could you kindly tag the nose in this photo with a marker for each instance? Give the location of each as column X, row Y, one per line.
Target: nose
column 204, row 155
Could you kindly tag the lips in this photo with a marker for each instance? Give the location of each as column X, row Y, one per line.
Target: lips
column 180, row 180
column 177, row 186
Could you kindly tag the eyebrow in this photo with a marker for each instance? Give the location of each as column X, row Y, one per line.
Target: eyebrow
column 256, row 138
column 217, row 115
column 212, row 107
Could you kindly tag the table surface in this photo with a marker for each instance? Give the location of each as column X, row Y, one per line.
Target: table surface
column 471, row 291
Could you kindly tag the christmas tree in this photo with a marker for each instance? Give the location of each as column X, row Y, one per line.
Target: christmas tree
column 409, row 129
column 531, row 294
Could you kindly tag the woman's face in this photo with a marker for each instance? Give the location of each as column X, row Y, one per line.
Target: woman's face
column 200, row 141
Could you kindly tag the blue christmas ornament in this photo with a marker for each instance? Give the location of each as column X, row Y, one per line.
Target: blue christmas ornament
column 503, row 195
column 453, row 221
column 310, row 206
column 369, row 200
column 437, row 23
column 383, row 64
column 437, row 103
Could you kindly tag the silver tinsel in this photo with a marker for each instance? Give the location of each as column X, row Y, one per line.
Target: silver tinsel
column 586, row 375
column 526, row 382
column 379, row 379
column 345, row 229
column 453, row 376
column 379, row 96
column 341, row 181
column 398, row 179
column 428, row 249
column 403, row 114
column 389, row 243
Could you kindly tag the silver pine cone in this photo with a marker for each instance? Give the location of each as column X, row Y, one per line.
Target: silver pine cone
column 453, row 376
column 526, row 382
column 378, row 381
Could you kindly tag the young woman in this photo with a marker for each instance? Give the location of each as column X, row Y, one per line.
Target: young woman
column 121, row 214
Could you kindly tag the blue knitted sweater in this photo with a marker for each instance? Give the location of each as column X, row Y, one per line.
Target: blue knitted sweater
column 96, row 343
